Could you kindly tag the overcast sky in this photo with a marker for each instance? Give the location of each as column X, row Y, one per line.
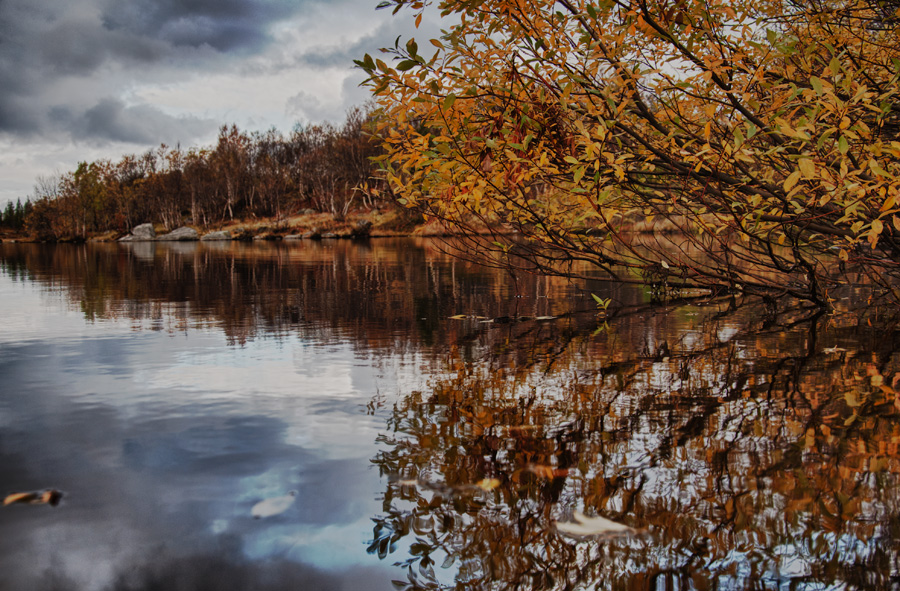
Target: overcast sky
column 88, row 79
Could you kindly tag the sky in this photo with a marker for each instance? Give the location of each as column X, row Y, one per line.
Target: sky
column 82, row 80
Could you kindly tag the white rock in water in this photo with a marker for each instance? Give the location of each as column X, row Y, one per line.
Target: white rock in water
column 591, row 526
column 273, row 506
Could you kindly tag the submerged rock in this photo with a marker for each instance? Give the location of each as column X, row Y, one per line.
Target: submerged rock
column 182, row 234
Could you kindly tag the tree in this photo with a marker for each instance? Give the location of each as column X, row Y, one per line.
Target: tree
column 757, row 140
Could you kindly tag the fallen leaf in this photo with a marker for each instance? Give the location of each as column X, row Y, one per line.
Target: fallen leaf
column 48, row 497
column 488, row 484
column 273, row 506
column 459, row 317
column 25, row 498
column 591, row 526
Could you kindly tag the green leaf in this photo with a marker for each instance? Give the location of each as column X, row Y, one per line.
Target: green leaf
column 817, row 85
column 406, row 65
column 843, row 145
column 448, row 101
column 579, row 173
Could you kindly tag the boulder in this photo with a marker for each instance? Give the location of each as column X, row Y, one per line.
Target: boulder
column 219, row 235
column 142, row 233
column 182, row 234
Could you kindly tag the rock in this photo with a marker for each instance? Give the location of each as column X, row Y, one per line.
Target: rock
column 308, row 211
column 144, row 232
column 182, row 234
column 141, row 233
column 330, row 235
column 219, row 235
column 294, row 237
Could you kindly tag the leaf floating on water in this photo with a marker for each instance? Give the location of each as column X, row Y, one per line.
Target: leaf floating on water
column 834, row 350
column 48, row 497
column 545, row 317
column 21, row 498
column 273, row 506
column 488, row 484
column 412, row 482
column 591, row 526
column 459, row 317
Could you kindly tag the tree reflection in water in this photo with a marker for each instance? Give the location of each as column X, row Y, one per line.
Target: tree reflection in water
column 749, row 450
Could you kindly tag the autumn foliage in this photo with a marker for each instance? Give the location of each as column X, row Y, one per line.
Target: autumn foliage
column 245, row 175
column 757, row 141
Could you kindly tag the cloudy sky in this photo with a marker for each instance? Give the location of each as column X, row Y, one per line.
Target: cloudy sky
column 88, row 79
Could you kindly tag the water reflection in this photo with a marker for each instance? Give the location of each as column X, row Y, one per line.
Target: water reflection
column 369, row 293
column 747, row 458
column 750, row 446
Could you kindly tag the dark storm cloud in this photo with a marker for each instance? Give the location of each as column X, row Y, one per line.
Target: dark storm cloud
column 225, row 25
column 59, row 60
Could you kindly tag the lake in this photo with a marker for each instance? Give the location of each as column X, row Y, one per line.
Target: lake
column 379, row 415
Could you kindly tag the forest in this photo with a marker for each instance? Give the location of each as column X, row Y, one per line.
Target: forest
column 245, row 175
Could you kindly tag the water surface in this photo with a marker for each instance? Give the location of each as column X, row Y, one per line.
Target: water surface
column 436, row 420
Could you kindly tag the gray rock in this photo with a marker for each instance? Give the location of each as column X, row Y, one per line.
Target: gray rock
column 330, row 235
column 182, row 234
column 219, row 235
column 294, row 237
column 142, row 233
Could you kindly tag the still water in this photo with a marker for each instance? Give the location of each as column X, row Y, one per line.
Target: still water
column 439, row 424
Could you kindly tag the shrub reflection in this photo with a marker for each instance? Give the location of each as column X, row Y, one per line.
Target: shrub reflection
column 751, row 450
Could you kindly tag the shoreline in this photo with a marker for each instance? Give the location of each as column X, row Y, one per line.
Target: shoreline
column 390, row 223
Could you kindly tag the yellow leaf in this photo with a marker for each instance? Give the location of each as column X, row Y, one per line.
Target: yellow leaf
column 488, row 484
column 14, row 498
column 807, row 167
column 877, row 226
column 48, row 497
column 843, row 255
column 791, row 180
column 896, row 221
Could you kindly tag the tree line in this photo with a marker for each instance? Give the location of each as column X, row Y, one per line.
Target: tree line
column 268, row 174
column 13, row 216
